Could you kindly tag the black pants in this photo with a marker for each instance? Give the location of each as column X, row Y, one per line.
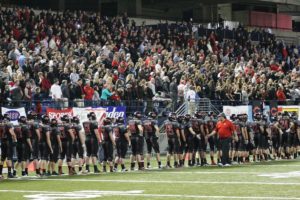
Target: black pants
column 225, row 146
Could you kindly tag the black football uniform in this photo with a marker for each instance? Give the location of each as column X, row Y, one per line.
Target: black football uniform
column 284, row 126
column 173, row 143
column 91, row 141
column 241, row 139
column 137, row 140
column 7, row 148
column 263, row 135
column 150, row 135
column 189, row 136
column 64, row 141
column 212, row 141
column 196, row 126
column 107, row 143
column 275, row 136
column 55, row 132
column 293, row 133
column 119, row 131
column 23, row 150
column 44, row 148
column 183, row 146
column 70, row 142
column 33, row 128
column 77, row 146
column 235, row 144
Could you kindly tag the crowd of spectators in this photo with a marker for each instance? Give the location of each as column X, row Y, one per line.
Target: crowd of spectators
column 85, row 58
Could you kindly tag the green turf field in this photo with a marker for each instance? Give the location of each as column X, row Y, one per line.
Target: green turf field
column 270, row 180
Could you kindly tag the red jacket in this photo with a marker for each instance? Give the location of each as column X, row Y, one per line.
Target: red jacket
column 280, row 95
column 89, row 92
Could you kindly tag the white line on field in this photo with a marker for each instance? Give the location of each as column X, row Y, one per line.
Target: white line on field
column 203, row 172
column 170, row 181
column 93, row 194
column 270, row 165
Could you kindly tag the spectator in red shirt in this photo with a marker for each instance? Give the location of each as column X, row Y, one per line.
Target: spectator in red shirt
column 89, row 93
column 225, row 129
column 280, row 95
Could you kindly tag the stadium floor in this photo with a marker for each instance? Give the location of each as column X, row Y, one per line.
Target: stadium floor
column 270, row 180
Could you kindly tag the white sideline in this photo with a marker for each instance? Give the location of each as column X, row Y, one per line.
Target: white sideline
column 42, row 195
column 169, row 181
column 203, row 172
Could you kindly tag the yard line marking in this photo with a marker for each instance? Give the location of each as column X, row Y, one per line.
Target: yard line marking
column 169, row 181
column 50, row 195
column 293, row 174
column 213, row 172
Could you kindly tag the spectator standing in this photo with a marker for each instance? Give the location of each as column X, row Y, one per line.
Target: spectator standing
column 89, row 93
column 174, row 93
column 191, row 99
column 96, row 96
column 66, row 93
column 37, row 100
column 45, row 84
column 27, row 95
column 16, row 94
column 78, row 93
column 281, row 97
column 74, row 76
column 106, row 94
column 56, row 93
column 181, row 89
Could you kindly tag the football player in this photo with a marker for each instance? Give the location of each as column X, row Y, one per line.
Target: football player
column 8, row 142
column 70, row 138
column 151, row 132
column 211, row 123
column 135, row 129
column 173, row 133
column 122, row 141
column 56, row 146
column 46, row 146
column 24, row 146
column 79, row 147
column 183, row 149
column 92, row 141
column 108, row 144
column 35, row 129
column 190, row 135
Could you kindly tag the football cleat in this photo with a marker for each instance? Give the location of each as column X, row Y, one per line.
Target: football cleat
column 55, row 173
column 124, row 170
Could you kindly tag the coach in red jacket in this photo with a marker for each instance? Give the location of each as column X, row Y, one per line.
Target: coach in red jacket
column 225, row 130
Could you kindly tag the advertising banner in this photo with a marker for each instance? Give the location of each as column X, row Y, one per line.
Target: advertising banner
column 230, row 110
column 57, row 114
column 14, row 113
column 115, row 112
column 81, row 113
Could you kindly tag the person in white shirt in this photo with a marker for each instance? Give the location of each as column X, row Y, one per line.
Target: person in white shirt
column 181, row 89
column 191, row 98
column 74, row 77
column 56, row 94
column 158, row 67
column 55, row 90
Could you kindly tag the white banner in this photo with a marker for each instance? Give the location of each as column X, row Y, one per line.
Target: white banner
column 237, row 110
column 14, row 113
column 81, row 113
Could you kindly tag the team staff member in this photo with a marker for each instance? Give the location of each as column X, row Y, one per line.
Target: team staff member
column 225, row 130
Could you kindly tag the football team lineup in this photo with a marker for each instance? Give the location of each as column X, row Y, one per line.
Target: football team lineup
column 271, row 180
